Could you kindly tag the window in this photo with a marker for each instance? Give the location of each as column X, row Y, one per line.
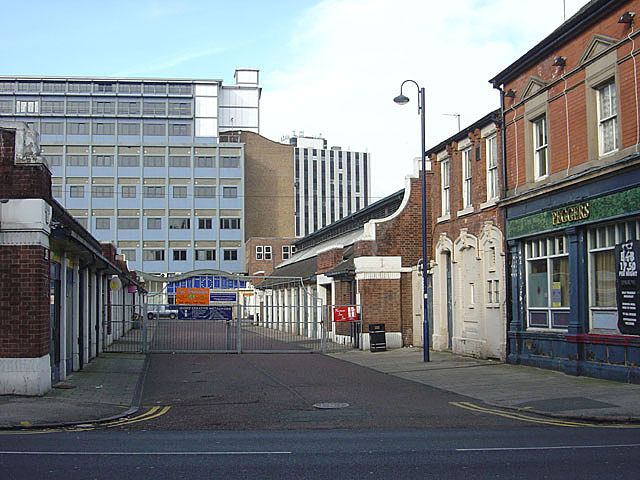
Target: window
column 104, row 87
column 179, row 191
column 288, row 251
column 230, row 162
column 129, row 254
column 82, row 221
column 128, row 161
column 102, row 161
column 547, row 265
column 27, row 106
column 180, row 129
column 493, row 292
column 230, row 192
column 52, row 106
column 56, row 191
column 77, row 128
column 205, row 255
column 205, row 191
column 205, row 224
column 602, row 263
column 179, row 89
column 156, row 88
column 154, row 108
column 153, row 191
column 6, row 106
column 128, row 107
column 607, row 118
column 79, row 87
column 128, row 223
column 54, row 160
column 104, row 128
column 179, row 223
column 104, row 108
column 102, row 191
column 180, row 161
column 230, row 223
column 6, row 86
column 52, row 128
column 466, row 178
column 28, row 86
column 78, row 107
column 103, row 223
column 179, row 108
column 180, row 255
column 153, row 255
column 128, row 129
column 445, row 171
column 153, row 161
column 76, row 191
column 54, row 87
column 259, row 252
column 540, row 155
column 154, row 223
column 129, row 88
column 154, row 129
column 128, row 191
column 230, row 255
column 492, row 167
column 205, row 162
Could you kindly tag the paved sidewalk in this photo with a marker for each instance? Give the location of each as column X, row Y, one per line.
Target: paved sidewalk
column 107, row 387
column 509, row 386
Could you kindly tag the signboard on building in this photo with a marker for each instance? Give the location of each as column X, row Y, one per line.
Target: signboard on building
column 192, row 296
column 213, row 312
column 345, row 313
column 224, row 297
column 628, row 287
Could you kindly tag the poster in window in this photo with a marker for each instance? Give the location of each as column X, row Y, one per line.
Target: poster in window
column 628, row 287
column 556, row 294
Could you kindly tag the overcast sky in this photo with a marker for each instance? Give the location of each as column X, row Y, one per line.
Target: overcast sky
column 327, row 67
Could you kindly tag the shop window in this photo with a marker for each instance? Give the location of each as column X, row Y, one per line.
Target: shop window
column 602, row 272
column 547, row 265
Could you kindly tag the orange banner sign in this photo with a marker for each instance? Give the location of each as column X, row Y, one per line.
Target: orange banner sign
column 192, row 296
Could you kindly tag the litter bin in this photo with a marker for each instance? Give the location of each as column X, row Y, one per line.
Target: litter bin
column 377, row 339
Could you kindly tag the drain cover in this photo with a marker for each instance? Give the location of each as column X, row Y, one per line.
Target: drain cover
column 330, row 405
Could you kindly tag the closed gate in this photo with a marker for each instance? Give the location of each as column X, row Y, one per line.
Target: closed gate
column 276, row 329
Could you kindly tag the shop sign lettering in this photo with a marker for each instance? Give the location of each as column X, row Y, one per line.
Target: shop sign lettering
column 570, row 214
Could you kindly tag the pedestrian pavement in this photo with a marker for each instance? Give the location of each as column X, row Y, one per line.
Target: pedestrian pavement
column 110, row 387
column 515, row 387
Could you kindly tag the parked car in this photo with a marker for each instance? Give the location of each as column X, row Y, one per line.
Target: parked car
column 161, row 311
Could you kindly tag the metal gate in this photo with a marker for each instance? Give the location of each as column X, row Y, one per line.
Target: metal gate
column 238, row 329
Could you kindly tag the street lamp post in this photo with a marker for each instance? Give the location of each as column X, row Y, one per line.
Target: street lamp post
column 402, row 100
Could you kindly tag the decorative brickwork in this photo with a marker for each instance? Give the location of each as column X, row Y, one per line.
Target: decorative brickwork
column 23, row 181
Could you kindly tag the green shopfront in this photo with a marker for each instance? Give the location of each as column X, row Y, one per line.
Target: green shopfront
column 569, row 310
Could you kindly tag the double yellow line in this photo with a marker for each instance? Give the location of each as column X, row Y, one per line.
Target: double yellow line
column 531, row 419
column 153, row 412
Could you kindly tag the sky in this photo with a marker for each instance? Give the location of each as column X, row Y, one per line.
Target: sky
column 329, row 67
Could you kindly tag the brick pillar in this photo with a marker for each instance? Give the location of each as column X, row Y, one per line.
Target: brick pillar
column 25, row 215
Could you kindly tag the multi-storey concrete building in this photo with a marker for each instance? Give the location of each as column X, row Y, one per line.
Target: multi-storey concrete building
column 140, row 161
column 330, row 184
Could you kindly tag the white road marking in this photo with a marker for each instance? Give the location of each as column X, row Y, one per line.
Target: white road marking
column 562, row 447
column 15, row 452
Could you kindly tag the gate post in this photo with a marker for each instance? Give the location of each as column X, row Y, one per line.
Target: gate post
column 145, row 325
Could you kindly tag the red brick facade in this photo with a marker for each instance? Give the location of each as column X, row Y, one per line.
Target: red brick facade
column 25, row 181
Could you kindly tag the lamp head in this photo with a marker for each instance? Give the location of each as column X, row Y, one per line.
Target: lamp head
column 627, row 17
column 401, row 99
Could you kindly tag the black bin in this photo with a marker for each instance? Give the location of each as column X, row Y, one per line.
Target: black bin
column 377, row 338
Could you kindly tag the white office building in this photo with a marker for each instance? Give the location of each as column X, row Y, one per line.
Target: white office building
column 140, row 162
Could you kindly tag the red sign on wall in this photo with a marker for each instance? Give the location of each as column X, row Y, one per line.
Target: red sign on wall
column 345, row 313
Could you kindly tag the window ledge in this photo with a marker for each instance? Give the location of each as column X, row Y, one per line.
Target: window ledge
column 465, row 211
column 444, row 218
column 489, row 203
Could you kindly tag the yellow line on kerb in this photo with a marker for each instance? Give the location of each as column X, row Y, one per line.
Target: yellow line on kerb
column 531, row 419
column 153, row 412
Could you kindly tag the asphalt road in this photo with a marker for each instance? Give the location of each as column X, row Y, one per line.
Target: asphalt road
column 523, row 452
column 278, row 391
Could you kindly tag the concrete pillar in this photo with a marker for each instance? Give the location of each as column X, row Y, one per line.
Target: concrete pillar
column 93, row 313
column 86, row 315
column 75, row 319
column 63, row 316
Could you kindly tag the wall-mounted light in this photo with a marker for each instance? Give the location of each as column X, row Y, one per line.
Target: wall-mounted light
column 510, row 94
column 559, row 61
column 627, row 17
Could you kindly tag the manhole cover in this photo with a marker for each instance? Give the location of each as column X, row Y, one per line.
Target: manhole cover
column 330, row 405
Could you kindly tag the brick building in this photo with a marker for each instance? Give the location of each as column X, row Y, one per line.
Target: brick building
column 468, row 256
column 572, row 200
column 56, row 281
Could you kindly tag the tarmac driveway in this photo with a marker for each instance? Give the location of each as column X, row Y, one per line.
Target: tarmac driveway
column 278, row 391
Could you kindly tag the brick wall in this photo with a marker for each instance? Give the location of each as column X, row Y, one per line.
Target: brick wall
column 20, row 181
column 380, row 301
column 24, row 301
column 253, row 265
column 328, row 260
